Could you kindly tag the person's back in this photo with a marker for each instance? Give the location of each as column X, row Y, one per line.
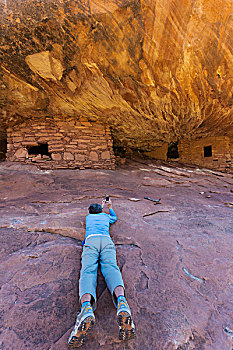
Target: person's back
column 98, row 224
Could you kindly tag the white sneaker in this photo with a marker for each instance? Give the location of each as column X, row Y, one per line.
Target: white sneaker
column 84, row 322
column 125, row 321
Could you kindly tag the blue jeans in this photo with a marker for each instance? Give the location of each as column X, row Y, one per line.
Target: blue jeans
column 99, row 249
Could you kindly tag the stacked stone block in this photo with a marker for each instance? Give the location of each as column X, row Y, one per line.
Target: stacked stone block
column 72, row 143
column 192, row 152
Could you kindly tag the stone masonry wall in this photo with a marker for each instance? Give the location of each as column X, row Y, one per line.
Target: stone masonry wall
column 72, row 143
column 231, row 151
column 193, row 152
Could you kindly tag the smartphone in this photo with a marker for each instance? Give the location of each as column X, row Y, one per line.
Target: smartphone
column 107, row 198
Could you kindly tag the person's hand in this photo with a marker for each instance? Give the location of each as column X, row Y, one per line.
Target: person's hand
column 103, row 202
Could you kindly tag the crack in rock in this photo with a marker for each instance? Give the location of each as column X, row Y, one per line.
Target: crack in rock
column 155, row 212
column 127, row 244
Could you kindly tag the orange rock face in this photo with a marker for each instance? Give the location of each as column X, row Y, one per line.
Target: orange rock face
column 155, row 71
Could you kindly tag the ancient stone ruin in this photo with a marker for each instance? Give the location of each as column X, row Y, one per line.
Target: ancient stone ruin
column 55, row 143
column 210, row 152
column 157, row 73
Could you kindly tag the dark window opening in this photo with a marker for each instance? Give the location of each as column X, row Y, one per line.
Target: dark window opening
column 119, row 151
column 41, row 149
column 3, row 145
column 207, row 151
column 172, row 152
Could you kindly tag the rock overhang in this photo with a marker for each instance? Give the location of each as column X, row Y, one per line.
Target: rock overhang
column 153, row 71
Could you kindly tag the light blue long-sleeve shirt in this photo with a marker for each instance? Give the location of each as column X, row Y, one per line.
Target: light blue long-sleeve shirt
column 98, row 224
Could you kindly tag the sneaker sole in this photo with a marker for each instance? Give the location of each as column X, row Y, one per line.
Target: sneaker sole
column 80, row 338
column 126, row 330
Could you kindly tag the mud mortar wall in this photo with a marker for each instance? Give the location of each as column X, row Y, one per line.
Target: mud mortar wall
column 221, row 148
column 71, row 143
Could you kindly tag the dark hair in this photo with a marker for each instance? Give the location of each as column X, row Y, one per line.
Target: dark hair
column 95, row 208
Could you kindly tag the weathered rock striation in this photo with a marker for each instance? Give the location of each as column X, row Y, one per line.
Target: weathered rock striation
column 154, row 71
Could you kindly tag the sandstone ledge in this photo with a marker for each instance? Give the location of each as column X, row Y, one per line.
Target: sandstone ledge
column 175, row 257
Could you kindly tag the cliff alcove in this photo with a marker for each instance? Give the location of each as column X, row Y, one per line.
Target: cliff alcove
column 155, row 72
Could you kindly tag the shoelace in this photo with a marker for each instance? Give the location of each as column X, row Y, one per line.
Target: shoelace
column 122, row 303
column 86, row 308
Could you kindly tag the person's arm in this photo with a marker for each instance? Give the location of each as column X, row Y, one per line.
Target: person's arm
column 112, row 214
column 84, row 231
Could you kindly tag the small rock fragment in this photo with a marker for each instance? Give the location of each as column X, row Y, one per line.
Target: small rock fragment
column 157, row 201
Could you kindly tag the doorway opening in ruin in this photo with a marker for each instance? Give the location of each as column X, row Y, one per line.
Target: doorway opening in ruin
column 172, row 152
column 207, row 151
column 3, row 145
column 41, row 149
column 119, row 151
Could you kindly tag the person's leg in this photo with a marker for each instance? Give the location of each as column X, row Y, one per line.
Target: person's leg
column 113, row 278
column 85, row 297
column 88, row 274
column 110, row 269
column 119, row 290
column 87, row 293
